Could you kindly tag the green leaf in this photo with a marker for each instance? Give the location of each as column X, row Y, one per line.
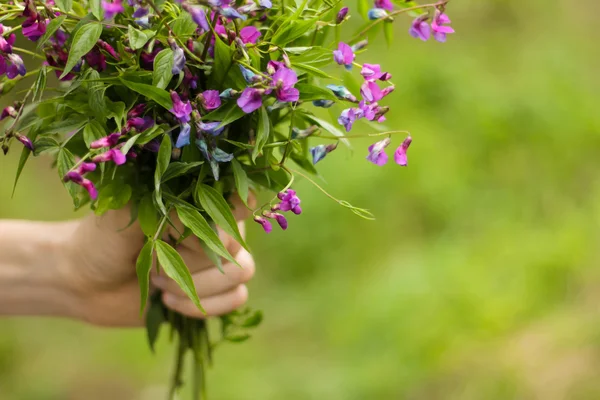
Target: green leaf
column 96, row 99
column 64, row 5
column 160, row 96
column 312, row 70
column 51, row 29
column 329, row 128
column 263, row 132
column 184, row 25
column 237, row 338
column 113, row 196
column 137, row 38
column 163, row 66
column 222, row 64
column 162, row 163
column 253, row 320
column 177, row 169
column 173, row 265
column 45, row 144
column 241, row 180
column 40, row 84
column 92, row 132
column 363, row 9
column 116, row 110
column 143, row 266
column 226, row 114
column 388, row 30
column 154, row 319
column 96, row 8
column 130, row 143
column 217, row 208
column 312, row 92
column 73, row 123
column 192, row 219
column 83, row 42
column 148, row 216
column 293, row 31
column 65, row 161
column 25, row 153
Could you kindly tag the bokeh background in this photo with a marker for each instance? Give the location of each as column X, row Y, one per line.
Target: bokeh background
column 479, row 279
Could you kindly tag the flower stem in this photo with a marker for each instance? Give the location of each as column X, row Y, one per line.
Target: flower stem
column 397, row 12
column 31, row 53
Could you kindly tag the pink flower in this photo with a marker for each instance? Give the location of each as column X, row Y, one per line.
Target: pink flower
column 112, row 8
column 267, row 226
column 182, row 110
column 400, row 154
column 114, row 155
column 385, row 4
column 372, row 72
column 377, row 152
column 420, row 29
column 107, row 141
column 349, row 116
column 438, row 26
column 281, row 220
column 344, row 55
column 283, row 81
column 250, row 100
column 371, row 91
column 249, row 34
column 210, row 99
column 289, row 202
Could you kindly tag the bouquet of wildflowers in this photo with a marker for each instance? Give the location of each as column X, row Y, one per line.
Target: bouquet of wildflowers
column 174, row 106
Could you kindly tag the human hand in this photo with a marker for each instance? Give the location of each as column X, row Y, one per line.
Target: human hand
column 99, row 268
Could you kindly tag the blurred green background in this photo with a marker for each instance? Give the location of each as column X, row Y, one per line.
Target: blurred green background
column 478, row 280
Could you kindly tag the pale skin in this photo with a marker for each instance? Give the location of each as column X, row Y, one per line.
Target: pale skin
column 85, row 270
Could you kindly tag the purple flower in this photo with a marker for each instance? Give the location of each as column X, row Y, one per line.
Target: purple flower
column 400, row 154
column 231, row 13
column 112, row 8
column 178, row 58
column 184, row 136
column 136, row 111
column 283, row 81
column 198, row 15
column 25, row 141
column 140, row 124
column 377, row 152
column 342, row 93
column 181, row 110
column 420, row 29
column 267, row 226
column 349, row 116
column 323, row 103
column 210, row 100
column 344, row 55
column 107, row 141
column 88, row 185
column 249, row 76
column 377, row 13
column 114, row 155
column 15, row 66
column 273, row 66
column 96, row 60
column 371, row 91
column 109, row 49
column 373, row 111
column 6, row 43
column 85, row 168
column 140, row 12
column 250, row 34
column 250, row 100
column 289, row 202
column 281, row 220
column 9, row 111
column 211, row 128
column 341, row 15
column 319, row 152
column 438, row 26
column 34, row 27
column 147, row 59
column 265, row 3
column 385, row 4
column 372, row 72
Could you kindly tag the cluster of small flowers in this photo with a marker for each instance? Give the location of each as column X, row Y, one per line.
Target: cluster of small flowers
column 11, row 64
column 289, row 201
column 420, row 29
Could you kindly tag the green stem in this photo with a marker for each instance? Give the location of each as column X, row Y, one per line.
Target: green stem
column 289, row 141
column 176, row 381
column 31, row 53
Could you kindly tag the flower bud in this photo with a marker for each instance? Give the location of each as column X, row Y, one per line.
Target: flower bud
column 341, row 16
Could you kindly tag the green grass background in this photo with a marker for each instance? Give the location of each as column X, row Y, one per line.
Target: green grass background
column 479, row 279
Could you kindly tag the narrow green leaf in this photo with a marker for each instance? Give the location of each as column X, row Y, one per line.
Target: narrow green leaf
column 148, row 216
column 40, row 84
column 312, row 70
column 363, row 9
column 263, row 132
column 160, row 96
column 173, row 265
column 293, row 31
column 222, row 64
column 388, row 30
column 329, row 128
column 162, row 163
column 154, row 319
column 241, row 180
column 130, row 143
column 65, row 161
column 177, row 169
column 23, row 159
column 83, row 41
column 51, row 29
column 253, row 320
column 192, row 219
column 312, row 92
column 142, row 268
column 163, row 66
column 217, row 208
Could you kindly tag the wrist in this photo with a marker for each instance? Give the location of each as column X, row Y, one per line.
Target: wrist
column 32, row 273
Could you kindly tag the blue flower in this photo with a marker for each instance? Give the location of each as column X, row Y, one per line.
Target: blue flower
column 184, row 136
